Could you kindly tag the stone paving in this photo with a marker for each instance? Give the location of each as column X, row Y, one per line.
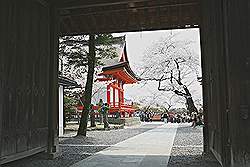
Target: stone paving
column 75, row 149
column 186, row 151
column 151, row 148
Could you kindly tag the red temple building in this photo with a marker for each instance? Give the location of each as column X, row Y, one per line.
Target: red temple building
column 116, row 76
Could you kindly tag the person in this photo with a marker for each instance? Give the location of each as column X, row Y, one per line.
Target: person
column 199, row 120
column 105, row 110
column 165, row 118
column 150, row 116
column 142, row 116
column 117, row 115
column 194, row 120
column 100, row 105
column 178, row 118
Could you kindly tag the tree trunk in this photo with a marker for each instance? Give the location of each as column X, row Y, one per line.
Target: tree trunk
column 189, row 99
column 190, row 105
column 88, row 88
column 190, row 102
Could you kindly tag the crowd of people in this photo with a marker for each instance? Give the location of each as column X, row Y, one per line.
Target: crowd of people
column 145, row 116
column 195, row 118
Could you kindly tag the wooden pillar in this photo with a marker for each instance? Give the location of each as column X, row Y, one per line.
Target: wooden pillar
column 53, row 110
column 119, row 95
column 225, row 64
column 108, row 94
column 3, row 43
column 237, row 39
column 122, row 93
column 61, row 112
column 114, row 95
column 122, row 96
column 205, row 81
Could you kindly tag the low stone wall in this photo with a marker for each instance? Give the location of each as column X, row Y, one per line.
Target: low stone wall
column 125, row 121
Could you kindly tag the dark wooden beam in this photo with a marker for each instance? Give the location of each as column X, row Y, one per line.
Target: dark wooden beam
column 112, row 20
column 74, row 24
column 144, row 17
column 129, row 9
column 164, row 15
column 158, row 13
column 43, row 2
column 134, row 28
column 76, row 4
column 93, row 22
column 64, row 26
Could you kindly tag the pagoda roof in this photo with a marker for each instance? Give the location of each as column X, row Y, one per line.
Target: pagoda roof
column 120, row 69
column 120, row 65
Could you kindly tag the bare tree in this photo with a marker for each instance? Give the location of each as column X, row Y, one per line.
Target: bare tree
column 174, row 66
column 149, row 101
column 170, row 101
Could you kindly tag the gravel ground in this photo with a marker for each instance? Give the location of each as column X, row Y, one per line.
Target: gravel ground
column 75, row 149
column 188, row 147
column 109, row 137
column 186, row 152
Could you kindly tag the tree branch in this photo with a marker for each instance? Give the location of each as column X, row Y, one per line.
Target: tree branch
column 155, row 79
column 163, row 89
column 179, row 93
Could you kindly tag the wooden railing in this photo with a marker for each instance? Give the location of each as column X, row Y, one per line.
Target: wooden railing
column 121, row 107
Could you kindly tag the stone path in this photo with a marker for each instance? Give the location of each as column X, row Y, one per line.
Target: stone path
column 75, row 149
column 151, row 148
column 148, row 145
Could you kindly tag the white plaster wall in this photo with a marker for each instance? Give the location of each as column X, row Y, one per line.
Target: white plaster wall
column 60, row 111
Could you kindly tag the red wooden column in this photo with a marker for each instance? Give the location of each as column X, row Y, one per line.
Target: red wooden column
column 114, row 94
column 122, row 95
column 119, row 95
column 108, row 94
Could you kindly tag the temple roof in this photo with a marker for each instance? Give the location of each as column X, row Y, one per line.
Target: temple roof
column 120, row 69
column 120, row 65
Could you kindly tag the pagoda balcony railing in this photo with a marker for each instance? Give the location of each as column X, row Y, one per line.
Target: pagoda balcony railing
column 117, row 104
column 121, row 107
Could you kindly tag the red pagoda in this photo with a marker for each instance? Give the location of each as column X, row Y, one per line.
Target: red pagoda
column 116, row 76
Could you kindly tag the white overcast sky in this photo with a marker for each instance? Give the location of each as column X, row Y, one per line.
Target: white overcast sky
column 137, row 42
